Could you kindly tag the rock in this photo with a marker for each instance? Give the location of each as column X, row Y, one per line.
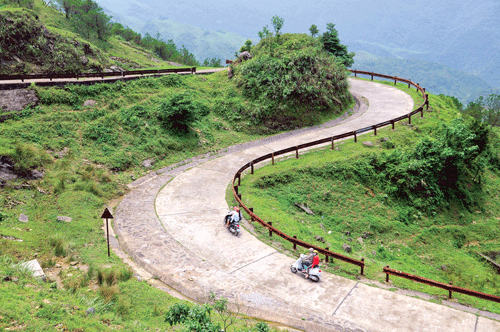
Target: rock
column 346, row 247
column 46, row 301
column 360, row 240
column 64, row 219
column 116, row 69
column 384, row 139
column 73, row 263
column 374, row 253
column 16, row 100
column 349, row 239
column 366, row 235
column 23, row 218
column 62, row 153
column 35, row 267
column 230, row 73
column 36, row 174
column 244, row 56
column 84, row 60
column 57, row 266
column 443, row 267
column 305, row 208
column 347, row 233
column 15, row 279
column 368, row 143
column 90, row 311
column 7, row 278
column 76, row 307
column 148, row 163
column 89, row 103
column 7, row 170
column 319, row 238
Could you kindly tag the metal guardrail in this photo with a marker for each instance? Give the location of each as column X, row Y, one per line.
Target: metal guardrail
column 101, row 75
column 449, row 287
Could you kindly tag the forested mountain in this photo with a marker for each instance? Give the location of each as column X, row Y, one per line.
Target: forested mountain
column 463, row 36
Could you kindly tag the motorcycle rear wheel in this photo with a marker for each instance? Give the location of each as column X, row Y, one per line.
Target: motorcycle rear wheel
column 293, row 269
column 314, row 278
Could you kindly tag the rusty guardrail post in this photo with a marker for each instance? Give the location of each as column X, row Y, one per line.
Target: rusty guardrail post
column 363, row 266
column 332, row 144
column 355, row 137
column 251, row 217
column 272, row 156
column 295, row 244
column 236, row 189
column 427, row 100
column 296, row 153
column 375, row 130
column 449, row 291
column 392, row 123
column 409, row 119
column 387, row 275
column 326, row 256
column 270, row 231
column 251, row 167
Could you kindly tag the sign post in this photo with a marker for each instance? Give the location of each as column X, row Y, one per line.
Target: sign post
column 107, row 215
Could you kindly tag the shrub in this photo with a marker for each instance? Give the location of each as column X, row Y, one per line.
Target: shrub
column 180, row 111
column 109, row 293
column 101, row 134
column 120, row 161
column 27, row 157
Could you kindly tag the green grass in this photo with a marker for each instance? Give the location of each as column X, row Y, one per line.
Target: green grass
column 448, row 237
column 89, row 155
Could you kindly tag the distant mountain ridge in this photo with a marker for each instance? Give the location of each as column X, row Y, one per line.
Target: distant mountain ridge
column 463, row 36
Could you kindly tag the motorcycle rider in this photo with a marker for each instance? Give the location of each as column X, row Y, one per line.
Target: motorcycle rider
column 315, row 262
column 235, row 216
column 308, row 259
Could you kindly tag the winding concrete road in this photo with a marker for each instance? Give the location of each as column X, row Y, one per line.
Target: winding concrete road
column 171, row 225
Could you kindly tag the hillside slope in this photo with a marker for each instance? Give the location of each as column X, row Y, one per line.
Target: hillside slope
column 41, row 39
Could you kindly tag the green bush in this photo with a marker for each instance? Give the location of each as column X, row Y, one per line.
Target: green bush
column 101, row 133
column 27, row 157
column 293, row 81
column 180, row 111
column 57, row 95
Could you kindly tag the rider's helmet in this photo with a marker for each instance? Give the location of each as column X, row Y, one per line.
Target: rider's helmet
column 311, row 250
column 237, row 209
column 315, row 251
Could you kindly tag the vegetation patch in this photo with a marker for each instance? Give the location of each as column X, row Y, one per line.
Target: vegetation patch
column 424, row 204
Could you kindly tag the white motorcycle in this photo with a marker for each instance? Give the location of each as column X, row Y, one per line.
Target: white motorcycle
column 234, row 226
column 299, row 265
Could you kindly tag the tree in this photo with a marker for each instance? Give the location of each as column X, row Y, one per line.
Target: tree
column 331, row 44
column 277, row 24
column 486, row 110
column 314, row 30
column 213, row 62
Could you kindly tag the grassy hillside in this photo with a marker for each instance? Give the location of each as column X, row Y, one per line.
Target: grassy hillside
column 402, row 214
column 41, row 39
column 88, row 154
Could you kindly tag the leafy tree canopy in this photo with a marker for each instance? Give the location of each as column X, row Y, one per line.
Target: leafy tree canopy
column 331, row 44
